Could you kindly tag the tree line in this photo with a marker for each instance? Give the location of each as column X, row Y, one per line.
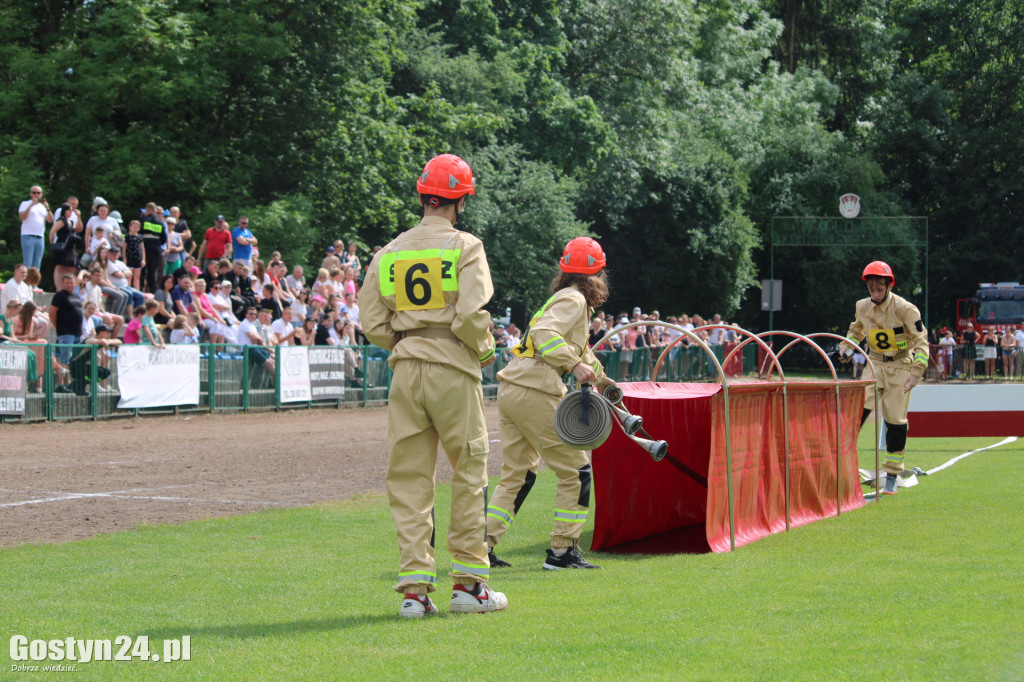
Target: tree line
column 671, row 130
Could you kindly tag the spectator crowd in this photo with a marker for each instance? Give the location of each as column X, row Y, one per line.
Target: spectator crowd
column 156, row 282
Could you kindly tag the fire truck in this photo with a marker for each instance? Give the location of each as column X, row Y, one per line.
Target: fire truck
column 999, row 305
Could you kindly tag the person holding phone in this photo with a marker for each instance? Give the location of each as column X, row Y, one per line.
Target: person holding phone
column 34, row 213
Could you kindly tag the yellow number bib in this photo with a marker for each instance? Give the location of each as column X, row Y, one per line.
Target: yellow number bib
column 418, row 284
column 885, row 341
column 525, row 348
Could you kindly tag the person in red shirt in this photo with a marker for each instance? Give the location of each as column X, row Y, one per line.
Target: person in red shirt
column 216, row 242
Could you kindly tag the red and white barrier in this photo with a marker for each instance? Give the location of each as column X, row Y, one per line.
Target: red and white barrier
column 966, row 410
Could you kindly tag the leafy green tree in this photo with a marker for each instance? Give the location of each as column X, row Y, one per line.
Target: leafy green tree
column 523, row 212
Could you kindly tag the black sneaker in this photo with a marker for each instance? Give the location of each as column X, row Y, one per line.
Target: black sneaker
column 495, row 561
column 571, row 559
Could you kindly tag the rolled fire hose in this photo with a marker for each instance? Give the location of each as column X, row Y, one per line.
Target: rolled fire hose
column 573, row 429
column 583, row 419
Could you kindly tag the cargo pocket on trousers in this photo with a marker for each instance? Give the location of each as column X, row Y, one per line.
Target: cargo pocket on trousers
column 478, row 445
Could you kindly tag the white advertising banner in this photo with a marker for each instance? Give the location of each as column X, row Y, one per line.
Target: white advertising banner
column 295, row 374
column 148, row 376
column 13, row 374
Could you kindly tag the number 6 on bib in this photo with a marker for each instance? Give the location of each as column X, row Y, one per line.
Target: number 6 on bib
column 418, row 284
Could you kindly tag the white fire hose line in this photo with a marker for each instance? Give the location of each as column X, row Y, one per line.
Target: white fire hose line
column 956, row 459
column 869, row 476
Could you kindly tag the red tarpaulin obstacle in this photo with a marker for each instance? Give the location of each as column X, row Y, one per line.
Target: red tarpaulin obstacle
column 682, row 503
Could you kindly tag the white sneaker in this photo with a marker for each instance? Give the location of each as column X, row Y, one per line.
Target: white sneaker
column 479, row 599
column 415, row 606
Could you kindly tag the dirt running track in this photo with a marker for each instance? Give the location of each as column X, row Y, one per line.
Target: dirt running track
column 70, row 481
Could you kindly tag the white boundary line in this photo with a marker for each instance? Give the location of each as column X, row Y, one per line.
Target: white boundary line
column 132, row 494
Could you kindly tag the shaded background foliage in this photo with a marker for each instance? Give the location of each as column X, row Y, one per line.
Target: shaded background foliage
column 672, row 130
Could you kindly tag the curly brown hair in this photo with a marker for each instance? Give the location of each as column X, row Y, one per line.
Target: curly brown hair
column 593, row 287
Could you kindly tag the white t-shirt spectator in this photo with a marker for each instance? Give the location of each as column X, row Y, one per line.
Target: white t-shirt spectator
column 244, row 328
column 352, row 311
column 89, row 325
column 180, row 336
column 111, row 225
column 282, row 329
column 119, row 273
column 671, row 334
column 222, row 304
column 94, row 294
column 35, row 223
column 15, row 292
column 95, row 244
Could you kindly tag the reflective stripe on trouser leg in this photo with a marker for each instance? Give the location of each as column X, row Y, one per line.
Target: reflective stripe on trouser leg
column 519, row 463
column 572, row 499
column 428, row 402
column 503, row 517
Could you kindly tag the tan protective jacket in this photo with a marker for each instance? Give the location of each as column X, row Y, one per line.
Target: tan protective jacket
column 553, row 343
column 893, row 330
column 423, row 297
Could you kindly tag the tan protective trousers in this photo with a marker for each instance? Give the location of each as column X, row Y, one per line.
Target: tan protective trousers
column 430, row 402
column 526, row 423
column 894, row 402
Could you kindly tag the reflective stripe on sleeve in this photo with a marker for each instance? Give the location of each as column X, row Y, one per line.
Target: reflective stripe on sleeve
column 552, row 345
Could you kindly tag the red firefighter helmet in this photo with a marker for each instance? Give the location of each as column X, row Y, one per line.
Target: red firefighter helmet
column 582, row 255
column 880, row 269
column 446, row 176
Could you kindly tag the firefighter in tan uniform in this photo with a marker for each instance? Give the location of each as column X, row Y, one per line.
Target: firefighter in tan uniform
column 898, row 348
column 555, row 344
column 423, row 300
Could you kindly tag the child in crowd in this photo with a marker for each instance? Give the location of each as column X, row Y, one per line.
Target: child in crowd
column 131, row 330
column 150, row 334
column 134, row 253
column 350, row 286
column 337, row 282
column 175, row 247
column 322, row 286
column 98, row 239
column 185, row 329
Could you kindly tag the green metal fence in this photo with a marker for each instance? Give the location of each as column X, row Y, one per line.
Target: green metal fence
column 233, row 379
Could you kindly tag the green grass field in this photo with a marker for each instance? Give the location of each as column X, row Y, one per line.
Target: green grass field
column 925, row 585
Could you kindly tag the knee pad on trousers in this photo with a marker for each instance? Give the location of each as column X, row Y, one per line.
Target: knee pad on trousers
column 585, row 478
column 895, row 437
column 864, row 415
column 531, row 478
